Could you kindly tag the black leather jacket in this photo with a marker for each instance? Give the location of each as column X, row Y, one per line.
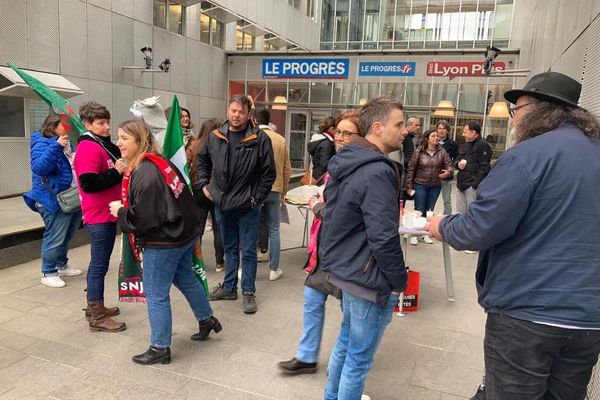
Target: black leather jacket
column 248, row 185
column 478, row 154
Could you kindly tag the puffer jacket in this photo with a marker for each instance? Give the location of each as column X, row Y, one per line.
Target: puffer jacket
column 249, row 184
column 424, row 168
column 49, row 161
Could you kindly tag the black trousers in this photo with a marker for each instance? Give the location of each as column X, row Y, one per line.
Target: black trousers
column 530, row 361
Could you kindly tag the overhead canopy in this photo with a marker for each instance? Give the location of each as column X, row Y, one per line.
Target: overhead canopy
column 11, row 84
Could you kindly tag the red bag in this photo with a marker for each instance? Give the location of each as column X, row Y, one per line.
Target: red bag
column 410, row 297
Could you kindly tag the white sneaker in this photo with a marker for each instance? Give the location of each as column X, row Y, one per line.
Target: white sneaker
column 53, row 281
column 414, row 241
column 365, row 397
column 274, row 275
column 470, row 252
column 427, row 240
column 68, row 271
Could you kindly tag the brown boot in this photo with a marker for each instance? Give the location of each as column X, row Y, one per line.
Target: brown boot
column 109, row 312
column 100, row 322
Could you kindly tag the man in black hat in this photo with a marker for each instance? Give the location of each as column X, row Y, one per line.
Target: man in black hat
column 535, row 222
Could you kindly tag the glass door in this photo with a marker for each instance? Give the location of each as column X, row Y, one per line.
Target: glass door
column 297, row 135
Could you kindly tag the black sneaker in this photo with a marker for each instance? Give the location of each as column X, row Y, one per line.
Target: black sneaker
column 219, row 293
column 249, row 306
column 480, row 395
column 295, row 367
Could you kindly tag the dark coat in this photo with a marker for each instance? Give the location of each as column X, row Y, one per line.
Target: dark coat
column 478, row 154
column 424, row 168
column 360, row 244
column 451, row 148
column 155, row 216
column 535, row 223
column 321, row 149
column 249, row 184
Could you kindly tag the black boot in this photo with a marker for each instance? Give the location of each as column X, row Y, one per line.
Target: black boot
column 205, row 326
column 153, row 355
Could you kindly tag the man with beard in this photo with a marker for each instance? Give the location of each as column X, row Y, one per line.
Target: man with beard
column 535, row 222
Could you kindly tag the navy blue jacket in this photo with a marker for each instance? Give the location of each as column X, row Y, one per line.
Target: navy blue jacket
column 360, row 244
column 47, row 160
column 536, row 221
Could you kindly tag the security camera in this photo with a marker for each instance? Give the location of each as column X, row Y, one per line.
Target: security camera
column 165, row 65
column 147, row 51
column 491, row 53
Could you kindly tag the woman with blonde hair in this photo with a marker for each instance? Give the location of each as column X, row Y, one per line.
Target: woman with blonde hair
column 159, row 211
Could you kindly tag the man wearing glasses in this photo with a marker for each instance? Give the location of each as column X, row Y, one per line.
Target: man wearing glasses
column 535, row 222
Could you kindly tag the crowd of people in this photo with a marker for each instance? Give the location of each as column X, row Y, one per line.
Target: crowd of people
column 532, row 218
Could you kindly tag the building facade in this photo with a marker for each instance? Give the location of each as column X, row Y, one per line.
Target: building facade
column 306, row 59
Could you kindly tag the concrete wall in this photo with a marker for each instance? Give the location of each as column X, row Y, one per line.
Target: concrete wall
column 562, row 36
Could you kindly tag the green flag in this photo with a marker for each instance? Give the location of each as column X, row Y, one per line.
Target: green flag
column 59, row 104
column 174, row 150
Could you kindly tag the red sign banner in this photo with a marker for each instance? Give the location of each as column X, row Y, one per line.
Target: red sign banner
column 461, row 68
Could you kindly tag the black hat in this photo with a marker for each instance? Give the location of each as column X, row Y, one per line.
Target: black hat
column 550, row 86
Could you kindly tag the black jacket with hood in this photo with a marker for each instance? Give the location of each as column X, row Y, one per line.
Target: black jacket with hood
column 360, row 244
column 321, row 148
column 249, row 184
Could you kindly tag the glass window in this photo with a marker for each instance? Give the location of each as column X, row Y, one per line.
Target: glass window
column 473, row 99
column 298, row 92
column 205, row 29
column 393, row 89
column 38, row 111
column 367, row 91
column 160, row 13
column 12, row 118
column 236, row 87
column 320, row 92
column 417, row 94
column 357, row 11
column 175, row 17
column 216, row 33
column 501, row 20
column 258, row 91
column 444, row 91
column 276, row 89
column 344, row 93
column 327, row 21
column 341, row 21
column 244, row 41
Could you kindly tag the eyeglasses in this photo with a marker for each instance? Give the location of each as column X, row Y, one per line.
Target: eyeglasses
column 513, row 110
column 345, row 134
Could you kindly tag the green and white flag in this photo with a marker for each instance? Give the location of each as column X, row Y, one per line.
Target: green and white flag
column 174, row 149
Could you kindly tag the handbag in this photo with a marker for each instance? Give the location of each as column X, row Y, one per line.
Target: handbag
column 307, row 179
column 68, row 200
column 319, row 280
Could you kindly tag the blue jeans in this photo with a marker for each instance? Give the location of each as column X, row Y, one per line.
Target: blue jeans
column 60, row 228
column 271, row 208
column 314, row 317
column 163, row 267
column 101, row 246
column 240, row 234
column 525, row 360
column 425, row 197
column 351, row 360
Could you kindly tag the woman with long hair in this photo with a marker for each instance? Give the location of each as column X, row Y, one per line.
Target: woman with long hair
column 206, row 206
column 307, row 354
column 159, row 211
column 429, row 164
column 51, row 173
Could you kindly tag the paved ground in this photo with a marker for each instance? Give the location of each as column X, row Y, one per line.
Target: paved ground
column 47, row 352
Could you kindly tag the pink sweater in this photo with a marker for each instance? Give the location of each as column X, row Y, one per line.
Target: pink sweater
column 91, row 158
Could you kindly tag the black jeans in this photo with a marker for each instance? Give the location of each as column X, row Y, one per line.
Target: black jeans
column 529, row 361
column 218, row 240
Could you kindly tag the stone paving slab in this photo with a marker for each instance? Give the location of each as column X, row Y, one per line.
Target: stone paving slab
column 47, row 351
